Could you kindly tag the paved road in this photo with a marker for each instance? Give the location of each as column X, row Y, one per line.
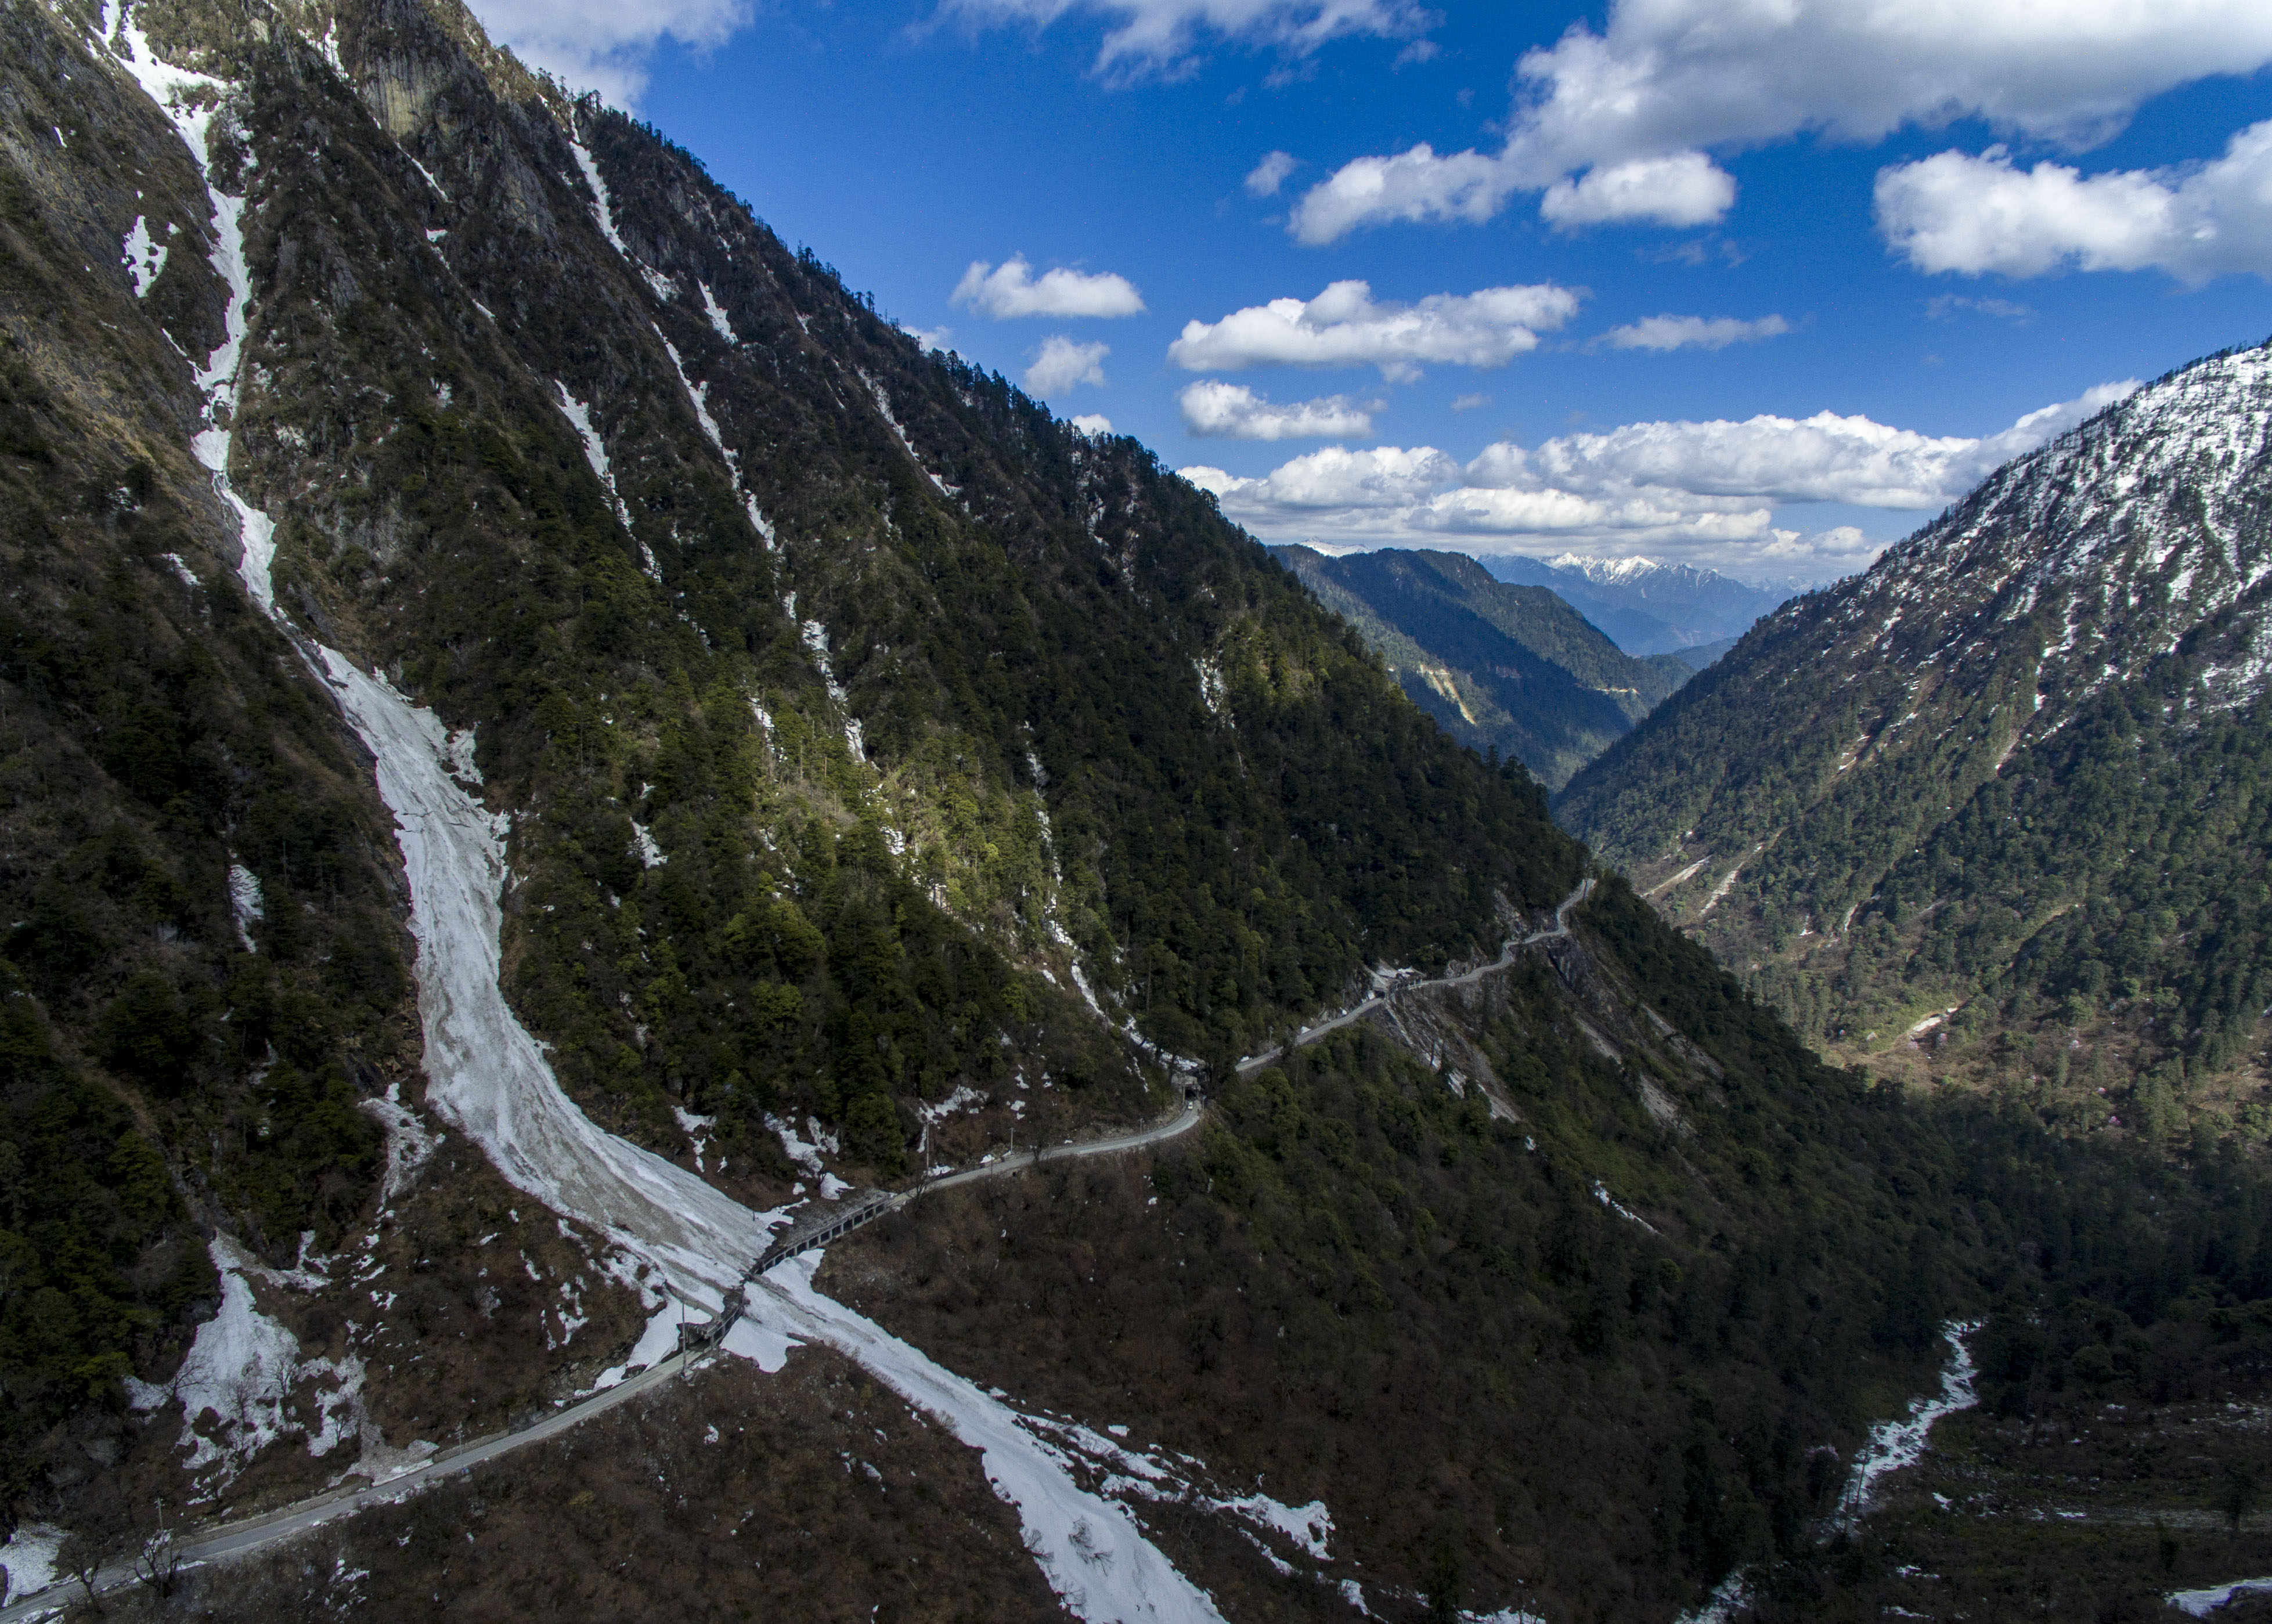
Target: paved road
column 242, row 1539
column 236, row 1539
column 1183, row 1122
column 1311, row 1034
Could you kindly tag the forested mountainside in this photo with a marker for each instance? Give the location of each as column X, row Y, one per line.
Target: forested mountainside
column 1647, row 607
column 1510, row 669
column 497, row 643
column 1995, row 811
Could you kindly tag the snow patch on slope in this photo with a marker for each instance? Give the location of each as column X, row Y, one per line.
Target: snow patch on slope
column 716, row 312
column 815, row 637
column 143, row 257
column 246, row 903
column 699, row 396
column 1088, row 1548
column 235, row 1382
column 603, row 214
column 192, row 100
column 595, row 450
column 1894, row 1445
column 487, row 1074
column 29, row 1560
column 2199, row 1604
column 884, row 405
column 408, row 1144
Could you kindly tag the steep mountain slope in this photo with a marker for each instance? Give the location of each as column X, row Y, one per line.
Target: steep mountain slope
column 1996, row 808
column 781, row 849
column 1645, row 607
column 773, row 753
column 1508, row 668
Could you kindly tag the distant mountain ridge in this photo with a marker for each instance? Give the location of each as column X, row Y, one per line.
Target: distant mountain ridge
column 1499, row 666
column 1998, row 807
column 1647, row 607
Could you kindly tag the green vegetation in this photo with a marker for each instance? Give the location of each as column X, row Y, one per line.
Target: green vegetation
column 1357, row 1285
column 98, row 1264
column 1512, row 669
column 1949, row 849
column 154, row 1074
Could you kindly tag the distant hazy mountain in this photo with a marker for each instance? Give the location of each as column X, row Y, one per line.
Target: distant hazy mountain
column 1513, row 667
column 1648, row 607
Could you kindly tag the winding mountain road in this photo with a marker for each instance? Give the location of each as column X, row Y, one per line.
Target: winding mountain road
column 231, row 1540
column 1311, row 1034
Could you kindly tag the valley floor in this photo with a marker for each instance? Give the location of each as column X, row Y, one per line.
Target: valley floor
column 2097, row 1513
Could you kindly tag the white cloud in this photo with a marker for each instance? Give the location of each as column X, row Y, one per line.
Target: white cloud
column 1412, row 185
column 1954, row 212
column 1386, row 477
column 1060, row 364
column 604, row 45
column 1344, row 326
column 1095, row 425
column 1237, row 412
column 1266, row 177
column 1706, row 491
column 1470, row 403
column 1825, row 457
column 1693, row 333
column 1159, row 36
column 1939, row 308
column 1687, row 189
column 1824, row 555
column 1632, row 111
column 1012, row 289
column 929, row 338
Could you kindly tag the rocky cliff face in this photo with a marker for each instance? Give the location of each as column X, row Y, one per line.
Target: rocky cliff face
column 2007, row 781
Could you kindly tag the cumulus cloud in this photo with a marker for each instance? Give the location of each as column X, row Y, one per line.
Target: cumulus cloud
column 1954, row 212
column 1264, row 180
column 1687, row 189
column 1702, row 490
column 1160, row 36
column 1385, row 476
column 604, row 45
column 1012, row 289
column 1235, row 412
column 1617, row 125
column 1345, row 326
column 1693, row 333
column 1060, row 364
column 1095, row 425
column 1470, row 403
column 929, row 338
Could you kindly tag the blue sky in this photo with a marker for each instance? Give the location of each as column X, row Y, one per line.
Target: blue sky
column 1929, row 232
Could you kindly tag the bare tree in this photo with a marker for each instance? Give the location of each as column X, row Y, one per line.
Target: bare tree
column 81, row 1557
column 159, row 1564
